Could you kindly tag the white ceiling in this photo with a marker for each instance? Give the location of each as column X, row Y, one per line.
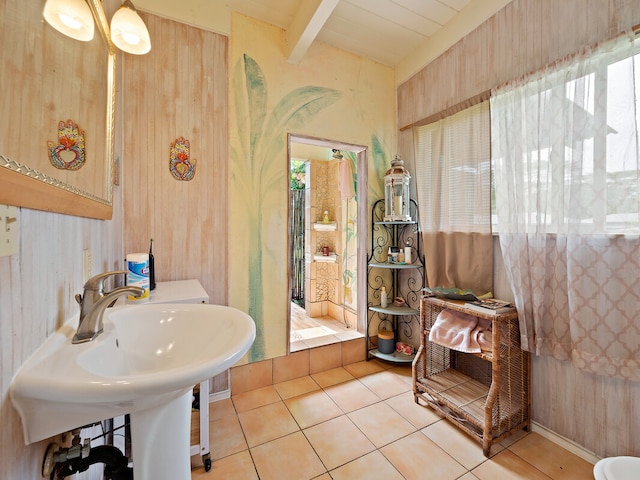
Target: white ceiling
column 382, row 30
column 402, row 34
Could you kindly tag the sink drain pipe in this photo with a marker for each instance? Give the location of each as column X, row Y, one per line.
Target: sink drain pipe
column 60, row 463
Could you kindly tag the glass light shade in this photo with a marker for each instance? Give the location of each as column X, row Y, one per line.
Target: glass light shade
column 128, row 31
column 71, row 17
column 396, row 192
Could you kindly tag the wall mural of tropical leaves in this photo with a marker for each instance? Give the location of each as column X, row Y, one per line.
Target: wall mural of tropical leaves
column 262, row 134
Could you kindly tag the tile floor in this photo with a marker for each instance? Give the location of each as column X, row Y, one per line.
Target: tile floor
column 360, row 422
column 308, row 332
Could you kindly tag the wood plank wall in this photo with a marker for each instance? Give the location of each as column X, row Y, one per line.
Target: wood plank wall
column 177, row 90
column 599, row 413
column 521, row 38
column 37, row 288
column 181, row 93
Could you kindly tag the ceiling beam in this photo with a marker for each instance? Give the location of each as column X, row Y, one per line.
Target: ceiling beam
column 306, row 25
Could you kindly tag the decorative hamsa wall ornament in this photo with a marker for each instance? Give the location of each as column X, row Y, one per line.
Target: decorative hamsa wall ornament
column 69, row 152
column 181, row 165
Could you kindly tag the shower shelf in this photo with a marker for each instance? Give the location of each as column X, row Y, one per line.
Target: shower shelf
column 331, row 258
column 325, row 227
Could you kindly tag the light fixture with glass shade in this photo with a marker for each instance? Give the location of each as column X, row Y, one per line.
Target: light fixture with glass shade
column 70, row 17
column 396, row 192
column 128, row 31
column 75, row 19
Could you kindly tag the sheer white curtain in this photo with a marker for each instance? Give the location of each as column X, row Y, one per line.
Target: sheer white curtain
column 567, row 180
column 452, row 161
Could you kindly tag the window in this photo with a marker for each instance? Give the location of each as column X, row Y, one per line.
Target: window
column 574, row 135
column 564, row 145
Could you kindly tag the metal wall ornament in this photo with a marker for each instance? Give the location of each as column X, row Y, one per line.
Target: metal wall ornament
column 181, row 165
column 69, row 152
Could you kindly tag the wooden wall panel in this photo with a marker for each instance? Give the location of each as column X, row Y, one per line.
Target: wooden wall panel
column 178, row 90
column 519, row 39
column 37, row 289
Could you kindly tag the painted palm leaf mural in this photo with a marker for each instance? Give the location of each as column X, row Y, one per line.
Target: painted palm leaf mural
column 380, row 164
column 259, row 168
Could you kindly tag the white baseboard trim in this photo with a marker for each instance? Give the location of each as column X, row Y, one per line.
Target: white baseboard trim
column 565, row 443
column 217, row 396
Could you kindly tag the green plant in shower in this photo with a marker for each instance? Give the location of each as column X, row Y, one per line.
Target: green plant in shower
column 297, row 175
column 262, row 138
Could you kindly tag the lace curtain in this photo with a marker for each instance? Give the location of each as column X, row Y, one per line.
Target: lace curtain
column 567, row 180
column 452, row 162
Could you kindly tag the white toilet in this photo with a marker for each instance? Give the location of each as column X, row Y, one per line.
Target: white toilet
column 617, row 468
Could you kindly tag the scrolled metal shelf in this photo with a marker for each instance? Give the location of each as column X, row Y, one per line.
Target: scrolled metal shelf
column 393, row 310
column 396, row 266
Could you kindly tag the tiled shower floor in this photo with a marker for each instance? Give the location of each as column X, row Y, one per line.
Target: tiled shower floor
column 307, row 332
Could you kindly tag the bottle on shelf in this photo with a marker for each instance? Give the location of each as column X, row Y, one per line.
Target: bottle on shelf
column 383, row 298
column 407, row 254
column 152, row 268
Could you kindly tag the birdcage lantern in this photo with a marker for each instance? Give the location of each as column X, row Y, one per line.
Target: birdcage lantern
column 396, row 192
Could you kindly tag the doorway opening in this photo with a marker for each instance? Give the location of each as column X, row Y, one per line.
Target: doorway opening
column 327, row 241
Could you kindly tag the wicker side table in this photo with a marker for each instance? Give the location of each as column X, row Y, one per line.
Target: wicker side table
column 485, row 394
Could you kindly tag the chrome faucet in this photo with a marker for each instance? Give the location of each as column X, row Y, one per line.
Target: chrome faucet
column 94, row 301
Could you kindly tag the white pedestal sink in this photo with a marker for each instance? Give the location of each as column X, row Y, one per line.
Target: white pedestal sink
column 145, row 363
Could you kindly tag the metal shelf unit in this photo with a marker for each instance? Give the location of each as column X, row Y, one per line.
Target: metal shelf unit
column 404, row 280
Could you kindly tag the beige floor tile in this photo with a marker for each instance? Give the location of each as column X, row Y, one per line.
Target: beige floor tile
column 506, row 465
column 325, row 358
column 468, row 476
column 267, row 423
column 332, row 377
column 291, row 366
column 338, row 441
column 226, row 437
column 381, row 424
column 255, row 398
column 550, row 458
column 372, row 465
column 418, row 415
column 417, row 457
column 353, row 351
column 465, row 449
column 385, row 384
column 297, row 345
column 350, row 335
column 403, row 372
column 360, row 369
column 298, row 386
column 251, row 376
column 287, row 457
column 335, row 417
column 513, row 438
column 312, row 408
column 321, row 341
column 352, row 395
column 235, row 467
column 221, row 408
